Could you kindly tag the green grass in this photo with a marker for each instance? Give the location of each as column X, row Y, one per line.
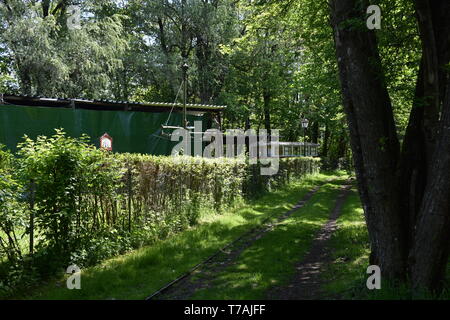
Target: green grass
column 350, row 250
column 271, row 260
column 138, row 274
column 346, row 276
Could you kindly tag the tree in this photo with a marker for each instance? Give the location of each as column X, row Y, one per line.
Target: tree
column 404, row 188
column 262, row 86
column 178, row 32
column 50, row 59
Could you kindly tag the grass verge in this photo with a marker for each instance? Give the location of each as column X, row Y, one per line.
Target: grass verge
column 349, row 245
column 270, row 260
column 139, row 273
column 346, row 277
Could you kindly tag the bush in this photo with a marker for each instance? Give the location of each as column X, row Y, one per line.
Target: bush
column 66, row 174
column 289, row 169
column 12, row 213
column 13, row 222
column 91, row 204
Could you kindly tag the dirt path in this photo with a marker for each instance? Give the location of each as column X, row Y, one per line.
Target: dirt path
column 204, row 276
column 307, row 282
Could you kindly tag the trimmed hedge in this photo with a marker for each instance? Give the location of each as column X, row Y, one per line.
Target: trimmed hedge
column 89, row 204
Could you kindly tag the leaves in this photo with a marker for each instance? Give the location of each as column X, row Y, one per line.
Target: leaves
column 51, row 60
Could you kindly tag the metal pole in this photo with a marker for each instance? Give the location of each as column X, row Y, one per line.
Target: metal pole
column 304, row 142
column 185, row 67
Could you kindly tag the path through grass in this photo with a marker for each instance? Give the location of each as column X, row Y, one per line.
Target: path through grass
column 271, row 260
column 346, row 276
column 138, row 274
column 350, row 250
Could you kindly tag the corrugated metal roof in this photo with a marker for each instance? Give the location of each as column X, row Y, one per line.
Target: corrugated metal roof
column 106, row 104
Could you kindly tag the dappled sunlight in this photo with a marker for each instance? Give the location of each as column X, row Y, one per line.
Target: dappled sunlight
column 274, row 256
column 137, row 274
column 350, row 249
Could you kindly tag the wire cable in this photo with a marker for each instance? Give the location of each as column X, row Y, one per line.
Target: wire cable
column 173, row 106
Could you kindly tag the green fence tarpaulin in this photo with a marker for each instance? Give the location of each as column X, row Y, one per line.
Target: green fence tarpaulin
column 136, row 132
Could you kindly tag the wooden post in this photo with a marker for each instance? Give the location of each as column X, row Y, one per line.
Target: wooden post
column 129, row 199
column 32, row 194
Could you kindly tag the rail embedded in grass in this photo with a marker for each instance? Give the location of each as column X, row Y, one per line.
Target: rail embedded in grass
column 231, row 250
column 276, row 253
column 135, row 275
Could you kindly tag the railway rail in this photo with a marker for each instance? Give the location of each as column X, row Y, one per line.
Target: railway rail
column 253, row 234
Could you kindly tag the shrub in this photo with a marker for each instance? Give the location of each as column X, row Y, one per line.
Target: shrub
column 13, row 226
column 65, row 175
column 12, row 214
column 90, row 204
column 289, row 169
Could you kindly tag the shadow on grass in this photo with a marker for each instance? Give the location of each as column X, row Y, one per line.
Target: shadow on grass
column 347, row 276
column 138, row 274
column 271, row 260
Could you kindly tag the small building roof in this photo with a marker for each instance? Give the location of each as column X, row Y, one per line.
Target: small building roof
column 293, row 144
column 105, row 105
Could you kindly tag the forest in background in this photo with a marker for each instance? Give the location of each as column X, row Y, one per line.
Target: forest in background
column 271, row 62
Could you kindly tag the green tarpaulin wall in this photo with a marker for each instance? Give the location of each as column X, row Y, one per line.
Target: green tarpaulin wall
column 136, row 132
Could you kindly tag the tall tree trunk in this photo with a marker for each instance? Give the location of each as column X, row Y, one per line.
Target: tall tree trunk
column 430, row 247
column 326, row 138
column 167, row 56
column 430, row 251
column 413, row 162
column 342, row 145
column 315, row 132
column 406, row 197
column 372, row 134
column 267, row 123
column 203, row 53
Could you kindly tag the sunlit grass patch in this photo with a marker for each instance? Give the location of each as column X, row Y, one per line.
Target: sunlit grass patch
column 346, row 277
column 271, row 260
column 138, row 274
column 350, row 250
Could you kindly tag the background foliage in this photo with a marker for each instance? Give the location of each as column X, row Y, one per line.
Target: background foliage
column 271, row 62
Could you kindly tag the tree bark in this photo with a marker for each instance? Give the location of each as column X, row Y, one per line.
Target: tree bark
column 428, row 199
column 315, row 132
column 430, row 251
column 326, row 139
column 406, row 197
column 267, row 122
column 372, row 135
column 413, row 163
